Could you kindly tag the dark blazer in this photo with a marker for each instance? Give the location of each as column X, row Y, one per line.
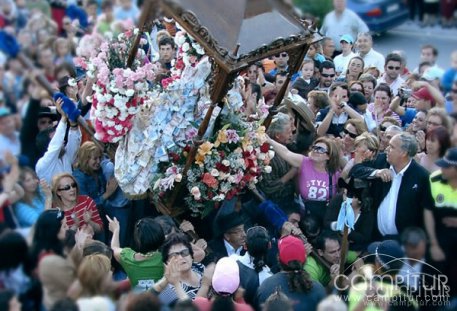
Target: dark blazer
column 414, row 194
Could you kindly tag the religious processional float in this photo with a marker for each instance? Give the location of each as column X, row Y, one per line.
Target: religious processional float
column 155, row 125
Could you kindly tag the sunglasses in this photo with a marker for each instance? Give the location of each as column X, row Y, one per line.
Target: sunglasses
column 352, row 135
column 393, row 68
column 68, row 187
column 281, row 55
column 185, row 252
column 327, row 75
column 319, row 149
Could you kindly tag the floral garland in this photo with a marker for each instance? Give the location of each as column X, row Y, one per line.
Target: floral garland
column 119, row 90
column 233, row 160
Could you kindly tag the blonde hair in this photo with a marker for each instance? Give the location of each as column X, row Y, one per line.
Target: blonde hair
column 84, row 153
column 440, row 113
column 56, row 200
column 92, row 272
column 368, row 140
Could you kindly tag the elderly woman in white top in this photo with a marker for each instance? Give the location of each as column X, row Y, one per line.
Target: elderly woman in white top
column 59, row 156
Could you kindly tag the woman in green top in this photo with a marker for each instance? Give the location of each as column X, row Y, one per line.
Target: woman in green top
column 142, row 263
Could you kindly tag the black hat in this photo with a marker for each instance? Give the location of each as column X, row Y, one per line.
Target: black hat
column 357, row 99
column 227, row 218
column 449, row 159
column 45, row 112
column 388, row 253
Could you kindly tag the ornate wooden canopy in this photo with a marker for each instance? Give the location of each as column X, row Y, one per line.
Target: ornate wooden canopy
column 235, row 34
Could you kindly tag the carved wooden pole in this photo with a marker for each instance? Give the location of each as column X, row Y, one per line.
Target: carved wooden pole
column 147, row 13
column 43, row 81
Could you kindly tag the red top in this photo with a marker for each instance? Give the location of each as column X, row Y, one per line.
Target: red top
column 84, row 203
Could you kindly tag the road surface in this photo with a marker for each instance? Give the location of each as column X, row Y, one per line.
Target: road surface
column 410, row 37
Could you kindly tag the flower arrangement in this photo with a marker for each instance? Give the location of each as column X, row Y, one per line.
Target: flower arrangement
column 119, row 90
column 235, row 158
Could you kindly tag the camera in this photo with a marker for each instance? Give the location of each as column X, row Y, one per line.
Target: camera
column 404, row 92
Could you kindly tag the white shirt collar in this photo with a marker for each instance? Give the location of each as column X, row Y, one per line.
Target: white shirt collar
column 230, row 249
column 403, row 170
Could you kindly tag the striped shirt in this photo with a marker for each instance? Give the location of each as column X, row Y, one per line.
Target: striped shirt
column 84, row 203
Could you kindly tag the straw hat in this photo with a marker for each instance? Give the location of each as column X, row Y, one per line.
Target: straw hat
column 298, row 105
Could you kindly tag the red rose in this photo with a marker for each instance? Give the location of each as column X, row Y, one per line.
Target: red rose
column 265, row 147
column 179, row 64
column 210, row 181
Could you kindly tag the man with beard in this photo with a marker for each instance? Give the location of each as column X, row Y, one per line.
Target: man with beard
column 391, row 75
column 327, row 75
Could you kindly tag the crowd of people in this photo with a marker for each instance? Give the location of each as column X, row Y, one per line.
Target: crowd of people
column 360, row 140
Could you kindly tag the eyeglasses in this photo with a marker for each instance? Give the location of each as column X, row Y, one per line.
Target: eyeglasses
column 185, row 252
column 393, row 68
column 319, row 149
column 352, row 135
column 327, row 75
column 68, row 187
column 284, row 54
column 433, row 123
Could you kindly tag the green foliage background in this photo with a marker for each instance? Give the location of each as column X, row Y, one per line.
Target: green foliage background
column 316, row 8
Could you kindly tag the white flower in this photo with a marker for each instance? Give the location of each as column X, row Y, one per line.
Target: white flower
column 178, row 177
column 231, row 179
column 219, row 197
column 250, row 148
column 267, row 169
column 118, row 127
column 109, row 35
column 271, row 154
column 185, row 47
column 226, row 162
column 72, row 82
column 136, row 31
column 261, row 156
column 110, row 132
column 195, row 192
column 129, row 92
column 120, row 36
column 180, row 39
column 214, row 172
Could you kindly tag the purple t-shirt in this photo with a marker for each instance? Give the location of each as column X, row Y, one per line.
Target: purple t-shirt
column 314, row 185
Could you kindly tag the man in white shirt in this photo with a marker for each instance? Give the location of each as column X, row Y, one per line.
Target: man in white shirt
column 342, row 21
column 59, row 157
column 391, row 76
column 370, row 57
column 341, row 61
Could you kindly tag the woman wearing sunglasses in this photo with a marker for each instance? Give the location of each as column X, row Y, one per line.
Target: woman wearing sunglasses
column 79, row 210
column 183, row 277
column 352, row 129
column 318, row 174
